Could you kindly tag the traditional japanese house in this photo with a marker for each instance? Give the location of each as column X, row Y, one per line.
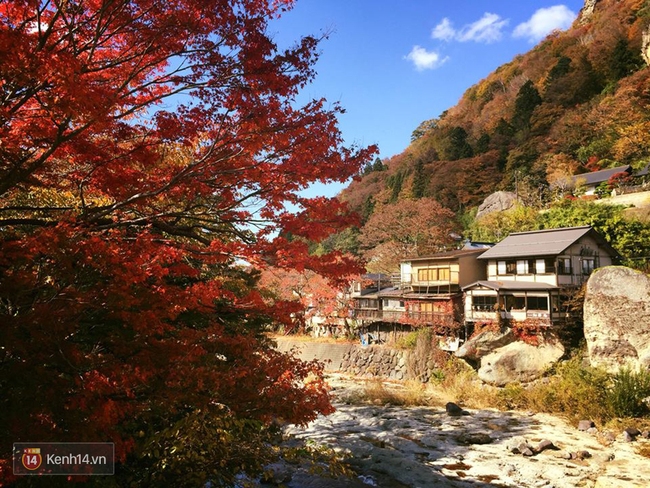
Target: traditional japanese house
column 365, row 294
column 432, row 286
column 532, row 275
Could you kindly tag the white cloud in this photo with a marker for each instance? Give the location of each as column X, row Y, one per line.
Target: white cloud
column 487, row 29
column 545, row 21
column 444, row 31
column 423, row 59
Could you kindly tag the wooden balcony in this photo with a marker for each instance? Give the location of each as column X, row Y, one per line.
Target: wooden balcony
column 404, row 317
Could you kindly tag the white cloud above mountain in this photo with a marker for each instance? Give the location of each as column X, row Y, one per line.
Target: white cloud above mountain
column 544, row 21
column 487, row 29
column 423, row 59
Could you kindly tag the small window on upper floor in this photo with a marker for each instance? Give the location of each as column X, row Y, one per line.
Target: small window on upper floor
column 564, row 266
column 522, row 267
column 506, row 267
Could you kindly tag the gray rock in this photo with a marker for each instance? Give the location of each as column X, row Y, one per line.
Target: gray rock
column 609, row 436
column 471, row 438
column 519, row 361
column 617, row 318
column 454, row 410
column 496, row 202
column 605, row 457
column 583, row 455
column 627, row 437
column 484, row 343
column 585, row 425
column 645, row 46
column 634, row 432
column 544, row 445
column 522, row 447
column 645, row 434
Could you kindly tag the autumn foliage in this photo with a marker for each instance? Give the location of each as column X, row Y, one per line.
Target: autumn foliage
column 147, row 152
column 577, row 102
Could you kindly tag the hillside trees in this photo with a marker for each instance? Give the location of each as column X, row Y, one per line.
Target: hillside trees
column 147, row 151
column 527, row 99
column 405, row 229
column 629, row 236
column 308, row 293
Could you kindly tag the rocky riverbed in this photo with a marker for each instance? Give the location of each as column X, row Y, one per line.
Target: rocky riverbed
column 393, row 446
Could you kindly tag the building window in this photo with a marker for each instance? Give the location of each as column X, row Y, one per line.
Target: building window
column 482, row 303
column 506, row 267
column 564, row 266
column 537, row 303
column 515, row 302
column 587, row 265
column 522, row 267
column 544, row 266
column 433, row 274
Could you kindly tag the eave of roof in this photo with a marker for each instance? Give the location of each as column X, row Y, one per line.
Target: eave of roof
column 512, row 285
column 446, row 255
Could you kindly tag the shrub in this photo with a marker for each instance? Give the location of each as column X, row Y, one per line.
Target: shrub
column 628, row 392
column 576, row 390
column 408, row 341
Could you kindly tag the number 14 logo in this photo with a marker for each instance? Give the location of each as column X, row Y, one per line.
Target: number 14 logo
column 32, row 458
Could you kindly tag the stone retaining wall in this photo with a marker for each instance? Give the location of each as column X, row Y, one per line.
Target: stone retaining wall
column 376, row 361
column 365, row 361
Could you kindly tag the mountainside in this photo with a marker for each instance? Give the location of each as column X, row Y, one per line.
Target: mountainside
column 579, row 101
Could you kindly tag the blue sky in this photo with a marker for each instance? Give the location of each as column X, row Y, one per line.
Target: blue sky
column 393, row 64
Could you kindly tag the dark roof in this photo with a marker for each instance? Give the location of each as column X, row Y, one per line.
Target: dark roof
column 429, row 296
column 596, row 177
column 548, row 242
column 446, row 255
column 477, row 245
column 375, row 277
column 512, row 285
column 389, row 292
column 643, row 171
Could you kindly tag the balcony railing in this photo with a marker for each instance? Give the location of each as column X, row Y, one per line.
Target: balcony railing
column 384, row 315
column 406, row 317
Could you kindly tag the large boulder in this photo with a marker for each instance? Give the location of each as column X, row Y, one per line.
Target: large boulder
column 617, row 318
column 484, row 343
column 519, row 362
column 497, row 202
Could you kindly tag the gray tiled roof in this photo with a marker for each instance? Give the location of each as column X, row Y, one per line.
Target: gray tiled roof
column 596, row 177
column 549, row 242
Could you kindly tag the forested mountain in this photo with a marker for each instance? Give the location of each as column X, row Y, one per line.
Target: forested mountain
column 577, row 102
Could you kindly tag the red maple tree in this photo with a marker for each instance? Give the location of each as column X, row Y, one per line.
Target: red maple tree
column 147, row 152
